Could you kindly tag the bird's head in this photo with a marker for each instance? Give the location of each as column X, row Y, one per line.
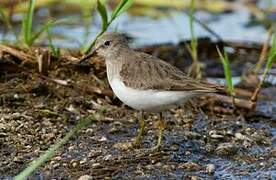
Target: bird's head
column 107, row 46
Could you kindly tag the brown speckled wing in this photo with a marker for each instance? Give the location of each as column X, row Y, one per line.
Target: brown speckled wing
column 143, row 71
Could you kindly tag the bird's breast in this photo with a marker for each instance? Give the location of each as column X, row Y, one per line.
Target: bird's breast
column 148, row 100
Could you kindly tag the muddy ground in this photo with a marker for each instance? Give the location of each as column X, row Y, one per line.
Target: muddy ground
column 205, row 139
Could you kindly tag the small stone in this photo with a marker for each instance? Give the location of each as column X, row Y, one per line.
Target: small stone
column 50, row 136
column 56, row 165
column 229, row 132
column 194, row 178
column 72, row 109
column 103, row 139
column 57, row 158
column 210, row 168
column 83, row 161
column 108, row 157
column 216, row 136
column 124, row 146
column 149, row 167
column 70, row 148
column 273, row 152
column 74, row 164
column 2, row 126
column 174, row 147
column 89, row 131
column 95, row 165
column 94, row 153
column 187, row 153
column 159, row 164
column 226, row 149
column 189, row 166
column 168, row 167
column 85, row 177
column 114, row 130
column 192, row 135
column 240, row 136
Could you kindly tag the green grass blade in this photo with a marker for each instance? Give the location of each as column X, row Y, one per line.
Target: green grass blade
column 227, row 71
column 7, row 22
column 28, row 23
column 271, row 57
column 38, row 33
column 2, row 14
column 102, row 11
column 120, row 8
column 51, row 151
column 88, row 47
column 55, row 50
column 44, row 28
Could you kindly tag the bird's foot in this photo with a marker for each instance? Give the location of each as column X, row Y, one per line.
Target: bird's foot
column 161, row 126
column 137, row 141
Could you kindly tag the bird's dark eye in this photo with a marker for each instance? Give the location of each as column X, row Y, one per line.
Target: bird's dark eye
column 107, row 43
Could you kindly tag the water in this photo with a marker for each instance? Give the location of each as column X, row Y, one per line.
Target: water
column 170, row 29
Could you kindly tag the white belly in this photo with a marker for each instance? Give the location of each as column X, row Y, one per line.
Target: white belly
column 149, row 100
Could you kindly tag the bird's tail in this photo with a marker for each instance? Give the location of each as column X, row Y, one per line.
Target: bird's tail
column 207, row 87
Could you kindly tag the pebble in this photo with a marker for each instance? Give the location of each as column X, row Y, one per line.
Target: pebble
column 216, row 136
column 210, row 168
column 124, row 146
column 57, row 158
column 94, row 153
column 226, row 149
column 83, row 161
column 56, row 165
column 168, row 167
column 174, row 147
column 103, row 139
column 213, row 134
column 240, row 136
column 72, row 109
column 114, row 130
column 189, row 166
column 95, row 165
column 108, row 157
column 74, row 164
column 89, row 131
column 273, row 152
column 85, row 177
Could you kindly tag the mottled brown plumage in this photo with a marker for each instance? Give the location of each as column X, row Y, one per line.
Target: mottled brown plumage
column 143, row 71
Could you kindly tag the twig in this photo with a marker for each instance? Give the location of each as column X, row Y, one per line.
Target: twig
column 242, row 103
column 244, row 92
column 16, row 53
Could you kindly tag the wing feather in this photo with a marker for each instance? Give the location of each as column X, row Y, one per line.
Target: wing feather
column 143, row 71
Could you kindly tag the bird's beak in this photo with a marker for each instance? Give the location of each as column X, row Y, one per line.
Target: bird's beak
column 91, row 54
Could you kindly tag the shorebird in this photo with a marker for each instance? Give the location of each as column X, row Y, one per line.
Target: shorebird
column 145, row 82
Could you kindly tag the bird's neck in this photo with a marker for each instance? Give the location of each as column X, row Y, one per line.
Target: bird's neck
column 115, row 61
column 117, row 50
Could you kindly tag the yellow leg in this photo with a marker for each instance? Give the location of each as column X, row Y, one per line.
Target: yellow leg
column 161, row 127
column 138, row 138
